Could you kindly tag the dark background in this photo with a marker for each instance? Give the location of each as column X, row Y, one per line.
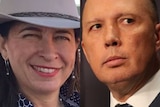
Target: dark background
column 93, row 92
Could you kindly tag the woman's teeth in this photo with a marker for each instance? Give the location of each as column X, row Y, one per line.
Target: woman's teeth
column 45, row 70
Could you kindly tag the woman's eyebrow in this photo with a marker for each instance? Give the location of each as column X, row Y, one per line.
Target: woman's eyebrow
column 30, row 28
column 63, row 31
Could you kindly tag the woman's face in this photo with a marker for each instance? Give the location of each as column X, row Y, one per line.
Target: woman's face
column 41, row 58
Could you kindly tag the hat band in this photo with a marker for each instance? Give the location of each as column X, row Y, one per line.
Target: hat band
column 44, row 14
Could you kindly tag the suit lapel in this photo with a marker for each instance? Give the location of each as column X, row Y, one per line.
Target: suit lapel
column 156, row 102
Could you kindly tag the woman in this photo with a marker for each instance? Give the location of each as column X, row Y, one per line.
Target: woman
column 38, row 45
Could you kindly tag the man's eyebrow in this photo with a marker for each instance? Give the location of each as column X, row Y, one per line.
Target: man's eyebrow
column 92, row 21
column 30, row 28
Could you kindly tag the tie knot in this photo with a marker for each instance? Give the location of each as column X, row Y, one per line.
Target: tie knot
column 123, row 105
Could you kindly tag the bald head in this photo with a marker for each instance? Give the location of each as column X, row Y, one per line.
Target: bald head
column 149, row 4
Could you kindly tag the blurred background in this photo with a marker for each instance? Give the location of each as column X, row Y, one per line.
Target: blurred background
column 93, row 92
column 78, row 4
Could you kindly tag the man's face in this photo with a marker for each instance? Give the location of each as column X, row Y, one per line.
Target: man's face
column 119, row 38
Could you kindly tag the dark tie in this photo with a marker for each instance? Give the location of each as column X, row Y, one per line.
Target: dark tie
column 123, row 105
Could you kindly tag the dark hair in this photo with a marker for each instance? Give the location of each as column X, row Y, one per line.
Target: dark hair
column 155, row 10
column 8, row 83
column 9, row 87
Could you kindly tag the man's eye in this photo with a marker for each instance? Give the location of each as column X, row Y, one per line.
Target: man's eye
column 95, row 27
column 129, row 21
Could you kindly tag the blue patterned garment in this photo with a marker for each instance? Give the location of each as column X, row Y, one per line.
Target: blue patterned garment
column 72, row 101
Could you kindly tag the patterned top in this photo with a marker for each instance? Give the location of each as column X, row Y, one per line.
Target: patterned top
column 72, row 101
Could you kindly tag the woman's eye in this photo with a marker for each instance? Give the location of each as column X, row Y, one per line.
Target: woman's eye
column 31, row 36
column 95, row 27
column 128, row 21
column 62, row 38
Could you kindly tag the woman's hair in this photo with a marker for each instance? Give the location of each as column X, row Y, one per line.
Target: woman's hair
column 9, row 87
column 8, row 83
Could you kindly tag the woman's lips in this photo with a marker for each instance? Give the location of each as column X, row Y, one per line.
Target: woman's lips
column 114, row 61
column 45, row 71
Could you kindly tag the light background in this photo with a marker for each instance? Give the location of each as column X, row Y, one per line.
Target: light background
column 77, row 2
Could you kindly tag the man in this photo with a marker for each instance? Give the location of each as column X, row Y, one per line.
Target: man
column 120, row 39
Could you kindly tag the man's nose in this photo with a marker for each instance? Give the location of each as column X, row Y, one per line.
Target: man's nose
column 112, row 42
column 112, row 37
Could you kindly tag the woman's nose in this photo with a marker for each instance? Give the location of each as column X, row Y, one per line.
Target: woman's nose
column 48, row 49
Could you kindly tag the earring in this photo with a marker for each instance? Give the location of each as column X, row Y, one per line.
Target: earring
column 73, row 76
column 7, row 67
column 79, row 55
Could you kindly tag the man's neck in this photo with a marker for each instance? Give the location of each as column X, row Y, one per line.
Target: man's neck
column 123, row 90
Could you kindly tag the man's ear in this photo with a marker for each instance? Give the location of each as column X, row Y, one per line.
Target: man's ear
column 3, row 50
column 157, row 36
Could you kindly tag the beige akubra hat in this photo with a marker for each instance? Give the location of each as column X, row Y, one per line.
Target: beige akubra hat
column 48, row 13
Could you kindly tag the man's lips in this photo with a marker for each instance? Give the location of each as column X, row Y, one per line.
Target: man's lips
column 114, row 61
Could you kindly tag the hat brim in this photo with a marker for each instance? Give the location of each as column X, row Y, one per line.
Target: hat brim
column 53, row 22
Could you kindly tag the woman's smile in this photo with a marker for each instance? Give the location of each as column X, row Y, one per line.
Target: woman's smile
column 45, row 71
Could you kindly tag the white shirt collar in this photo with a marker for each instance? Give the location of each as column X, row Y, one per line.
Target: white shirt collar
column 144, row 96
